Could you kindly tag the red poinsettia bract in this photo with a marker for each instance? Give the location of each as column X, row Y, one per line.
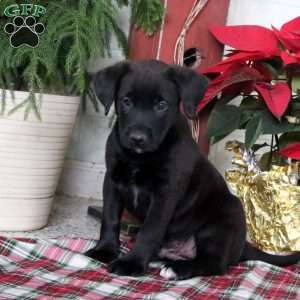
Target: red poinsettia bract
column 252, row 46
column 292, row 151
column 276, row 97
column 289, row 36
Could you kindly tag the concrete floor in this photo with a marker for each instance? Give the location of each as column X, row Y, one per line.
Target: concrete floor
column 68, row 218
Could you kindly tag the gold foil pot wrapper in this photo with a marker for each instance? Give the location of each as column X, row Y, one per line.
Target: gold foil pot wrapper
column 271, row 200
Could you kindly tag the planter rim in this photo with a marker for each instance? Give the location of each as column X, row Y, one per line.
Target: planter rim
column 21, row 94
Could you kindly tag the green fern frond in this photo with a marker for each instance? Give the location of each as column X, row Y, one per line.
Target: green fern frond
column 147, row 14
column 17, row 107
column 3, row 101
column 93, row 99
column 76, row 32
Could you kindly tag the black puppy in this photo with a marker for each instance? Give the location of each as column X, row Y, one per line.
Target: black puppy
column 155, row 170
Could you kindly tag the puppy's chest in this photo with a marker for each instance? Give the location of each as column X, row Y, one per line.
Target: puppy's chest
column 134, row 184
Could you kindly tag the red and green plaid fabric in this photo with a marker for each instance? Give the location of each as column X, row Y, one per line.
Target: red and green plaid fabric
column 56, row 269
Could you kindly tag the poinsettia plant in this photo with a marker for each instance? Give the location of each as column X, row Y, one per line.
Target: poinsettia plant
column 263, row 68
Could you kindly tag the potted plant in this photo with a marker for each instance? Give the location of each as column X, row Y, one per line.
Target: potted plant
column 45, row 50
column 263, row 70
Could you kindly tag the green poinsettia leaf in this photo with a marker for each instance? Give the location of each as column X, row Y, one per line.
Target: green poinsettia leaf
column 253, row 131
column 257, row 147
column 245, row 118
column 295, row 106
column 269, row 158
column 288, row 138
column 223, row 120
column 264, row 161
column 251, row 103
column 273, row 70
column 271, row 125
column 217, row 139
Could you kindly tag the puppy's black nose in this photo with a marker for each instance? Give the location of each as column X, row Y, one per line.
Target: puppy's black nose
column 138, row 138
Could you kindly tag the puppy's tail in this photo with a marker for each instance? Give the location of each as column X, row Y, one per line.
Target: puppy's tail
column 252, row 253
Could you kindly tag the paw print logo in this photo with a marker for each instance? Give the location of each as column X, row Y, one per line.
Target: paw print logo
column 24, row 31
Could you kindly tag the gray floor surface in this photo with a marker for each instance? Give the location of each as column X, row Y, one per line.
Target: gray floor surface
column 68, row 218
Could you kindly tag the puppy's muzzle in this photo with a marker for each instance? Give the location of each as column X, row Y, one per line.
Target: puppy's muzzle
column 138, row 140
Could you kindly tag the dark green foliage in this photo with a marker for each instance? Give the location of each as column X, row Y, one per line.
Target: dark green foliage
column 223, row 120
column 76, row 32
column 147, row 14
column 253, row 116
column 288, row 138
column 253, row 131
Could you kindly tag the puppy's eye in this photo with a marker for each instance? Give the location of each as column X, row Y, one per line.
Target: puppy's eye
column 126, row 103
column 161, row 106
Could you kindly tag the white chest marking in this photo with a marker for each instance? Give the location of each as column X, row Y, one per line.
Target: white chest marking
column 135, row 190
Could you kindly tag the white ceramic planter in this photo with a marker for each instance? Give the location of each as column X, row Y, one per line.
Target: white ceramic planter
column 31, row 159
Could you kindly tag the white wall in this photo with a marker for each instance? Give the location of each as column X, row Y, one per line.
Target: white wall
column 84, row 167
column 264, row 13
column 253, row 12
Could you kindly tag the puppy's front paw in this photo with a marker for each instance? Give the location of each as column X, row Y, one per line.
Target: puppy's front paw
column 127, row 267
column 105, row 254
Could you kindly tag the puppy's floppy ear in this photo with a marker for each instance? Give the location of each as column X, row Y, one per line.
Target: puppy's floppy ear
column 106, row 83
column 191, row 87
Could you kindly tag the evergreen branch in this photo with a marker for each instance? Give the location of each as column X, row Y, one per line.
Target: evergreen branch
column 147, row 14
column 72, row 38
column 17, row 107
column 3, row 102
column 93, row 98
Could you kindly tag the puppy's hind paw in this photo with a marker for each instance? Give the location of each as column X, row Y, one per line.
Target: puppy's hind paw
column 126, row 266
column 168, row 273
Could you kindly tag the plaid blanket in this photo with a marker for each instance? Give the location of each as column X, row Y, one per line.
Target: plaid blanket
column 56, row 269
